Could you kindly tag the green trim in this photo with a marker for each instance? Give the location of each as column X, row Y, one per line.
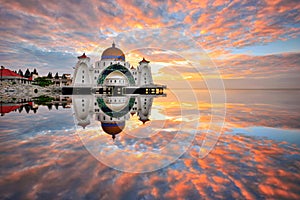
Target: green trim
column 102, row 105
column 112, row 68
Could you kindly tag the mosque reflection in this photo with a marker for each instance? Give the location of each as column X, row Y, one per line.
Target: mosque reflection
column 111, row 111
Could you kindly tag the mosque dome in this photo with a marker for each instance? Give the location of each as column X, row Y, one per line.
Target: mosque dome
column 113, row 128
column 113, row 53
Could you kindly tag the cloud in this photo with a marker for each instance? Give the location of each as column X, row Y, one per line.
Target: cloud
column 59, row 31
column 246, row 66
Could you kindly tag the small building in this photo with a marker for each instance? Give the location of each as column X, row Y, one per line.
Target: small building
column 10, row 76
column 64, row 80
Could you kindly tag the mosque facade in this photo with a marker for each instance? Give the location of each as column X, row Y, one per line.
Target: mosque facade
column 111, row 70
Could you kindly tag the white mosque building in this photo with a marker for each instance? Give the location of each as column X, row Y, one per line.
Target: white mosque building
column 111, row 70
column 118, row 91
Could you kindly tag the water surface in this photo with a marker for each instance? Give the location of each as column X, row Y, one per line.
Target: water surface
column 257, row 155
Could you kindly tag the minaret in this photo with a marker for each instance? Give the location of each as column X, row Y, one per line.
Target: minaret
column 144, row 108
column 82, row 109
column 82, row 76
column 144, row 73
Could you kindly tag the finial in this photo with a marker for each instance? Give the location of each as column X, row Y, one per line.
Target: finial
column 113, row 44
column 113, row 137
column 83, row 56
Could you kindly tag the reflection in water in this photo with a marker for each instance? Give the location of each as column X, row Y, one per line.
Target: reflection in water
column 32, row 104
column 43, row 158
column 111, row 111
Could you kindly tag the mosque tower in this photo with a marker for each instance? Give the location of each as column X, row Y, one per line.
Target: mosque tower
column 82, row 74
column 82, row 109
column 144, row 73
column 144, row 108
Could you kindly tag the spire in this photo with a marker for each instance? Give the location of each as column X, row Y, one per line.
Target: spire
column 132, row 113
column 144, row 120
column 113, row 44
column 83, row 56
column 144, row 61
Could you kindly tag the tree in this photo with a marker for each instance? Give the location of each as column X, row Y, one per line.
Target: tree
column 49, row 75
column 27, row 74
column 35, row 71
column 56, row 76
column 42, row 81
column 20, row 72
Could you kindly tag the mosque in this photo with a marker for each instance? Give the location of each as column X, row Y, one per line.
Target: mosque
column 111, row 89
column 111, row 71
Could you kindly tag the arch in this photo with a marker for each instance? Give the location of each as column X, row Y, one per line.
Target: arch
column 102, row 105
column 113, row 68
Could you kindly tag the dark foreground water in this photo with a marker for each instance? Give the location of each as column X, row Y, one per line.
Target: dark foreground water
column 256, row 157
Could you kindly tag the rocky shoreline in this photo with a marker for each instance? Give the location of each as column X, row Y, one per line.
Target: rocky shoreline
column 10, row 92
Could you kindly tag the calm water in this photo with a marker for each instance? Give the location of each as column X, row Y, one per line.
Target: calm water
column 45, row 155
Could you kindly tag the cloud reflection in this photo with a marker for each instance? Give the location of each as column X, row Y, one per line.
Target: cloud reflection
column 56, row 165
column 239, row 167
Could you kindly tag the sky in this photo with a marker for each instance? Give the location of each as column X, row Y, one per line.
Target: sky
column 247, row 44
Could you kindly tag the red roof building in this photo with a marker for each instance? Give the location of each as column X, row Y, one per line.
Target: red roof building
column 8, row 108
column 8, row 75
